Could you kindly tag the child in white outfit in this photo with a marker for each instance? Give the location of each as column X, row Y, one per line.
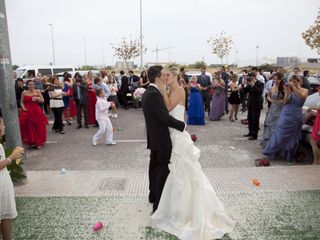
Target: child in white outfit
column 105, row 126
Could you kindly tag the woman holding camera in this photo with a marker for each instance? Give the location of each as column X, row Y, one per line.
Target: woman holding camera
column 287, row 134
column 8, row 209
column 32, row 119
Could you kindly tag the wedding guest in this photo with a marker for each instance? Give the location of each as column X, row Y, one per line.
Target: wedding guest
column 124, row 89
column 195, row 109
column 113, row 86
column 80, row 96
column 104, row 76
column 66, row 98
column 45, row 94
column 218, row 99
column 56, row 94
column 144, row 82
column 261, row 73
column 185, row 78
column 257, row 74
column 8, row 209
column 275, row 97
column 306, row 83
column 98, row 84
column 19, row 90
column 205, row 83
column 38, row 84
column 287, row 134
column 32, row 120
column 315, row 135
column 105, row 126
column 92, row 98
column 243, row 94
column 133, row 81
column 255, row 105
column 234, row 98
column 226, row 78
column 267, row 87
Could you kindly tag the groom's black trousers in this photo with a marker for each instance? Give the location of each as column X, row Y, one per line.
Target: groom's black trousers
column 158, row 173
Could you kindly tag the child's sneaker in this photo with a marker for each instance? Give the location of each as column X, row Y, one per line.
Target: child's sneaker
column 115, row 116
column 112, row 143
column 94, row 143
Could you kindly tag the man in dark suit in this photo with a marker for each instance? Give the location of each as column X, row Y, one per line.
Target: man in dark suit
column 205, row 83
column 134, row 81
column 158, row 122
column 124, row 89
column 255, row 105
column 225, row 77
column 80, row 96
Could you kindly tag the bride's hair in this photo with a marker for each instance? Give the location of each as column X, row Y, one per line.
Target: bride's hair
column 175, row 72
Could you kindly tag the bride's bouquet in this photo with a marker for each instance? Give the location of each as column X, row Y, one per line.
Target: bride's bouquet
column 138, row 93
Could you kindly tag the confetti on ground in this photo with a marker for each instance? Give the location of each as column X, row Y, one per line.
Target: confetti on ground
column 256, row 182
column 97, row 226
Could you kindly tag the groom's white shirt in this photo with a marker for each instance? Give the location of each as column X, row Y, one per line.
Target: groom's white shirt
column 155, row 85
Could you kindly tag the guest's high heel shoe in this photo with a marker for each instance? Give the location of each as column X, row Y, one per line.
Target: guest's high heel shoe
column 231, row 119
column 236, row 117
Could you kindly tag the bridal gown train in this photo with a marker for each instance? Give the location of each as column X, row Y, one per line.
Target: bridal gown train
column 189, row 207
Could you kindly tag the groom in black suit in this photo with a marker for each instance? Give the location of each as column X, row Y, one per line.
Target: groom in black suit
column 158, row 122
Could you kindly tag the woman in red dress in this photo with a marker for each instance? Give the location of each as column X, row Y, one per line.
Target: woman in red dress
column 32, row 120
column 315, row 136
column 92, row 99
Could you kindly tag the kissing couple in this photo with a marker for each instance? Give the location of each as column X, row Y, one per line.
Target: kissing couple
column 184, row 201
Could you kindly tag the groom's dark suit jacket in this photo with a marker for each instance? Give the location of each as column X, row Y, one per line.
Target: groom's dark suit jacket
column 158, row 120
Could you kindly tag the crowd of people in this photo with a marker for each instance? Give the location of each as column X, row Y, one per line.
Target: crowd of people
column 92, row 96
column 249, row 91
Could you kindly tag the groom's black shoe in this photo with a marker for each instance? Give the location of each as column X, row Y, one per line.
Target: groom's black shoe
column 247, row 135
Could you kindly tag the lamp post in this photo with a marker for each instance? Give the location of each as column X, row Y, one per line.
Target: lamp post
column 141, row 45
column 85, row 52
column 257, row 60
column 112, row 45
column 103, row 61
column 52, row 40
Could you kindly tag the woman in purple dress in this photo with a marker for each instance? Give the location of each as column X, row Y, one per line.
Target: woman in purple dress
column 287, row 134
column 218, row 99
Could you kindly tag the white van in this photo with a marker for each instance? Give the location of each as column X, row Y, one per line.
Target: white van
column 25, row 72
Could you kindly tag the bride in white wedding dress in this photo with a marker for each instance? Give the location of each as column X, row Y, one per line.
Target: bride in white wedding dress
column 189, row 207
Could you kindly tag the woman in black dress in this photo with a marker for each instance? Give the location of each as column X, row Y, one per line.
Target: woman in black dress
column 144, row 82
column 234, row 98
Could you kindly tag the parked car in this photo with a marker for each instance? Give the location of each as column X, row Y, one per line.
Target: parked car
column 24, row 72
column 315, row 84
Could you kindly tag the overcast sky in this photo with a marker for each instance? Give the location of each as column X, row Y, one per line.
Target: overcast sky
column 186, row 25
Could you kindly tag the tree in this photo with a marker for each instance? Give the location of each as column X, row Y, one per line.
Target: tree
column 312, row 35
column 197, row 65
column 128, row 49
column 221, row 45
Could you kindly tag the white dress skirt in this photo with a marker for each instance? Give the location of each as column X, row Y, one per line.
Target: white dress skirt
column 7, row 201
column 189, row 207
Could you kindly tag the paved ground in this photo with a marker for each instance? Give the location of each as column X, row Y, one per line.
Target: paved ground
column 109, row 183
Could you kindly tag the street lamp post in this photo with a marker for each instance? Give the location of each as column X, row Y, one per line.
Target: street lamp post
column 141, row 44
column 85, row 52
column 112, row 45
column 257, row 60
column 103, row 62
column 52, row 40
